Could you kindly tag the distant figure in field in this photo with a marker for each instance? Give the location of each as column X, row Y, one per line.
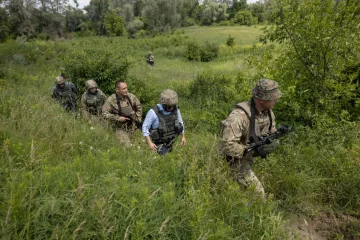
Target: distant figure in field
column 65, row 93
column 150, row 59
column 92, row 102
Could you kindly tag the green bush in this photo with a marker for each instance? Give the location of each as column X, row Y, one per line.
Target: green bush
column 244, row 18
column 102, row 66
column 211, row 97
column 209, row 52
column 205, row 53
column 192, row 51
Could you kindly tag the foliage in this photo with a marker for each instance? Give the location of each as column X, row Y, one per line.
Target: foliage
column 204, row 53
column 114, row 25
column 103, row 67
column 161, row 16
column 214, row 12
column 134, row 27
column 64, row 178
column 209, row 52
column 209, row 97
column 244, row 18
column 319, row 36
column 193, row 51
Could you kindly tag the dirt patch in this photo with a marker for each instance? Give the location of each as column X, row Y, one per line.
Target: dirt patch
column 324, row 227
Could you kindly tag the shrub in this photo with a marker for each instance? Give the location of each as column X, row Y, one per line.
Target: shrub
column 211, row 97
column 193, row 51
column 101, row 66
column 230, row 41
column 209, row 52
column 134, row 27
column 205, row 53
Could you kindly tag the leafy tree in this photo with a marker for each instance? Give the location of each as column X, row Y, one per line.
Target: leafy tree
column 74, row 17
column 236, row 6
column 162, row 15
column 258, row 10
column 4, row 25
column 214, row 12
column 128, row 13
column 97, row 10
column 244, row 18
column 133, row 27
column 114, row 24
column 319, row 38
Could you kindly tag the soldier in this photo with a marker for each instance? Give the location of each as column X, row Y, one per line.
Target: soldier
column 150, row 59
column 123, row 110
column 65, row 93
column 92, row 102
column 163, row 123
column 247, row 122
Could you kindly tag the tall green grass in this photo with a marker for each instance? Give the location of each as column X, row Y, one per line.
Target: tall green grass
column 63, row 178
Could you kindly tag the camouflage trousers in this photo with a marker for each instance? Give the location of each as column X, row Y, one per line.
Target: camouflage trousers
column 242, row 173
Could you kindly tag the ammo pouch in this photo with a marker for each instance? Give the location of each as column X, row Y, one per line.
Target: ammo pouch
column 154, row 135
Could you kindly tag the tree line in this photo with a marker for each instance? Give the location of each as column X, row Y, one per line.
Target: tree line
column 48, row 19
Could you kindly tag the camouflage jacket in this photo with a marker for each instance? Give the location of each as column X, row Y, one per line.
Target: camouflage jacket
column 130, row 107
column 66, row 96
column 91, row 104
column 235, row 130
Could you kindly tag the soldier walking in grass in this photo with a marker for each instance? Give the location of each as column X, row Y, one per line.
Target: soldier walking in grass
column 246, row 123
column 66, row 94
column 123, row 111
column 92, row 102
column 163, row 123
column 150, row 59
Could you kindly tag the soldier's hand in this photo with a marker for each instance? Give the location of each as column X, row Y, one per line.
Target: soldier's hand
column 183, row 140
column 153, row 146
column 123, row 119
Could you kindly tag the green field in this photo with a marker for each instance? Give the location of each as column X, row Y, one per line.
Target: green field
column 62, row 178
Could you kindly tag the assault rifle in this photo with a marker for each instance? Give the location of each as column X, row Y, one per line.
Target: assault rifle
column 283, row 130
column 128, row 122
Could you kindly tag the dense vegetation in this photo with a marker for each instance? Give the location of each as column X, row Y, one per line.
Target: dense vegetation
column 49, row 19
column 64, row 178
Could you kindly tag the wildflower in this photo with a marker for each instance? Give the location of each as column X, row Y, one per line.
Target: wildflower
column 92, row 128
column 91, row 148
column 81, row 143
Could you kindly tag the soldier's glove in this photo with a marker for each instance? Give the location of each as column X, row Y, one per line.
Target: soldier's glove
column 268, row 148
column 271, row 146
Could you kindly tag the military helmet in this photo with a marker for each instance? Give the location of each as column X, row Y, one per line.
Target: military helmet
column 59, row 80
column 266, row 89
column 90, row 84
column 169, row 97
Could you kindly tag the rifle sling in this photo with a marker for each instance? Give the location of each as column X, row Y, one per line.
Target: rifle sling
column 251, row 117
column 119, row 105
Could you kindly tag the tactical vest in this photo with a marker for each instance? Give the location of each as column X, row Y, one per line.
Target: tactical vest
column 169, row 126
column 94, row 103
column 65, row 93
column 262, row 126
column 258, row 126
column 126, row 111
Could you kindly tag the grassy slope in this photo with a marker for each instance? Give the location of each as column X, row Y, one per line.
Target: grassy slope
column 62, row 179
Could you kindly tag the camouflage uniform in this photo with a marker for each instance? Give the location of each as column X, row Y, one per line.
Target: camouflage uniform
column 130, row 107
column 235, row 134
column 67, row 95
column 92, row 103
column 150, row 59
